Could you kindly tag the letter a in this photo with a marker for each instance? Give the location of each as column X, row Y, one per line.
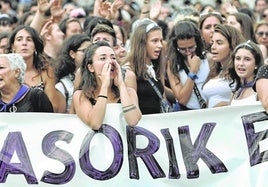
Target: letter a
column 14, row 142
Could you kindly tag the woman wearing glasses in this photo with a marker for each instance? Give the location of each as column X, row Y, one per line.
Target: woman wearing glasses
column 261, row 33
column 188, row 67
column 217, row 88
column 69, row 60
column 246, row 58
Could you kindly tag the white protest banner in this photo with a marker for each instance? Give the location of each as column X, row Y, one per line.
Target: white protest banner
column 217, row 147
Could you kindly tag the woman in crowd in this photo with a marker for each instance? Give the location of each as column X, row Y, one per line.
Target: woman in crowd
column 261, row 33
column 244, row 24
column 39, row 74
column 261, row 86
column 103, row 83
column 146, row 60
column 207, row 23
column 247, row 58
column 68, row 61
column 188, row 67
column 217, row 88
column 3, row 42
column 14, row 95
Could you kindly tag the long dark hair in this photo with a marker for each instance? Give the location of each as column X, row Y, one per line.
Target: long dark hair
column 257, row 54
column 88, row 83
column 40, row 62
column 183, row 30
column 65, row 63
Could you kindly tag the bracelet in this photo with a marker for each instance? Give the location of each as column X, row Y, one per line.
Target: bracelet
column 192, row 76
column 128, row 108
column 146, row 12
column 103, row 96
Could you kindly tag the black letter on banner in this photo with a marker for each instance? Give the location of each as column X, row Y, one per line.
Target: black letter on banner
column 192, row 153
column 14, row 142
column 174, row 172
column 253, row 138
column 146, row 154
column 116, row 165
column 50, row 150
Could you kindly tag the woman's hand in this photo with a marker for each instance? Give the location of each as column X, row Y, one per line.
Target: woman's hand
column 44, row 5
column 105, row 74
column 118, row 80
column 194, row 63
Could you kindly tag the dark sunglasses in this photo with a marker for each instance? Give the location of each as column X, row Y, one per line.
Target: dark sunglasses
column 262, row 33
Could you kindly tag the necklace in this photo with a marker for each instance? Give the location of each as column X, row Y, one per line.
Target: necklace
column 13, row 108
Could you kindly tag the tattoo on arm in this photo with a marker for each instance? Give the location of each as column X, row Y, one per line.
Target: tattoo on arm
column 129, row 108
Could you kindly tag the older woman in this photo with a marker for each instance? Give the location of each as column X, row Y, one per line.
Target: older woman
column 14, row 95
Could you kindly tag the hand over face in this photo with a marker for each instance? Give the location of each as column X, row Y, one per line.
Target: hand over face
column 194, row 63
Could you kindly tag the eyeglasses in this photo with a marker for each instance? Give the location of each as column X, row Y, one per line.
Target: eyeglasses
column 82, row 50
column 260, row 34
column 185, row 50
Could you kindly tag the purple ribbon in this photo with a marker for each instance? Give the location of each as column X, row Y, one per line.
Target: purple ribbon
column 242, row 87
column 21, row 92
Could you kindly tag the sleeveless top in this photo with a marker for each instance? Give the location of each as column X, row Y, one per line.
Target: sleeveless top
column 202, row 74
column 149, row 101
column 41, row 85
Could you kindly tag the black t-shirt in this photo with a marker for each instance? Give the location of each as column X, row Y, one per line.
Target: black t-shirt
column 35, row 100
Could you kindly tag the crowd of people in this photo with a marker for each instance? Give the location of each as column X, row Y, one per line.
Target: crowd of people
column 59, row 56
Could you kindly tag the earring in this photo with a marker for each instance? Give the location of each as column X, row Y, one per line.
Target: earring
column 256, row 67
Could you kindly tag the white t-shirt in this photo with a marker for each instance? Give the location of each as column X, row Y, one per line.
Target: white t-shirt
column 202, row 75
column 69, row 86
column 217, row 90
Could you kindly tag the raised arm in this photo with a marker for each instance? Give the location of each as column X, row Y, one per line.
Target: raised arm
column 128, row 96
column 91, row 115
column 47, row 10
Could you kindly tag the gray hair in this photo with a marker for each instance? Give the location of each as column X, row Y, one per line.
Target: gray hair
column 16, row 62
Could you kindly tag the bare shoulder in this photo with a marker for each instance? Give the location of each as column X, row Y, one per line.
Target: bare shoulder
column 130, row 74
column 130, row 79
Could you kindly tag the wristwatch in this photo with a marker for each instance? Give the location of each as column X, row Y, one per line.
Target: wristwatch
column 192, row 76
